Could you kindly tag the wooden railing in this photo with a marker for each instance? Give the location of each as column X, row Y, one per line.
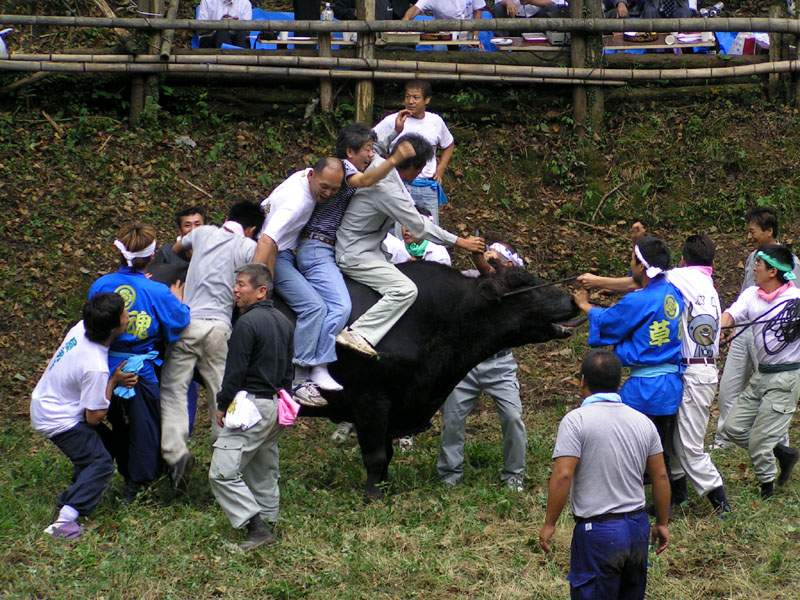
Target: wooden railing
column 585, row 55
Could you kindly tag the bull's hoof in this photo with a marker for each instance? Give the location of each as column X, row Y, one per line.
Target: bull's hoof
column 371, row 496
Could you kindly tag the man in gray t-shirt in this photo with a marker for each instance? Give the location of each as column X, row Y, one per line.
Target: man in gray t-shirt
column 601, row 453
column 216, row 254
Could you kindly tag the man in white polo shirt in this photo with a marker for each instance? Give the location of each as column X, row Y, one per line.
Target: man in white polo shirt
column 289, row 207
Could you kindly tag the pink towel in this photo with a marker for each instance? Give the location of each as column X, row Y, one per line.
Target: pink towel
column 287, row 408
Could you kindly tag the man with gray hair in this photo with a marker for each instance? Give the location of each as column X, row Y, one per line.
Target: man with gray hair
column 244, row 467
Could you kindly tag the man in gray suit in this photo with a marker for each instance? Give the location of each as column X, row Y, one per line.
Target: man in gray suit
column 371, row 214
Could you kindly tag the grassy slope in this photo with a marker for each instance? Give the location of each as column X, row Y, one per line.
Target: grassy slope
column 683, row 167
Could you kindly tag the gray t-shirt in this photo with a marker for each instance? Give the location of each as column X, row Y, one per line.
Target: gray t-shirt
column 216, row 254
column 612, row 442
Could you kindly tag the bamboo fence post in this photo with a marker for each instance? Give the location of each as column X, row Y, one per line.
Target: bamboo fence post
column 597, row 106
column 365, row 89
column 151, row 89
column 138, row 83
column 169, row 34
column 775, row 42
column 578, row 60
column 325, row 84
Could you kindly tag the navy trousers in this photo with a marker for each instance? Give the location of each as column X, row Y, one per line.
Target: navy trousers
column 609, row 559
column 92, row 463
column 136, row 436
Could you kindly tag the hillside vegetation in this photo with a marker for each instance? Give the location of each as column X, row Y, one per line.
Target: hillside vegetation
column 72, row 172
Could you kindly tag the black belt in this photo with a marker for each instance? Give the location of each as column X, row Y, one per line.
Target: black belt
column 699, row 361
column 608, row 517
column 320, row 238
column 778, row 368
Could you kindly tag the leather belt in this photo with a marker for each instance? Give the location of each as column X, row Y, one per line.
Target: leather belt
column 699, row 361
column 320, row 238
column 608, row 517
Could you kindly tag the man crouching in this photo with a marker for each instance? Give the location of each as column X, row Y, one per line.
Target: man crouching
column 244, row 467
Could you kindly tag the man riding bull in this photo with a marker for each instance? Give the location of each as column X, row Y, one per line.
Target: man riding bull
column 371, row 214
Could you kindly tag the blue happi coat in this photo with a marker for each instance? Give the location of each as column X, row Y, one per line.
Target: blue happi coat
column 155, row 315
column 645, row 329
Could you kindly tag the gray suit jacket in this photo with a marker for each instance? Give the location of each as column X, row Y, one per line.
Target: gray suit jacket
column 372, row 213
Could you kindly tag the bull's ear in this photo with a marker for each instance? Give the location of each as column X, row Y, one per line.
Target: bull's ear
column 490, row 290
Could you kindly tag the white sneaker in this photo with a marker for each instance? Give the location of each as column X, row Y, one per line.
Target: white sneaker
column 342, row 432
column 515, row 484
column 406, row 443
column 720, row 444
column 355, row 341
column 323, row 379
column 307, row 394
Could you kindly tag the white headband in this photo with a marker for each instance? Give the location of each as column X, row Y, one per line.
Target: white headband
column 507, row 254
column 129, row 256
column 650, row 271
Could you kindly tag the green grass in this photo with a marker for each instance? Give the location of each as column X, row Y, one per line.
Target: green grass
column 477, row 540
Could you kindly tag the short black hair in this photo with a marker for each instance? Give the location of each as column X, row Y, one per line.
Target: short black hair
column 423, row 211
column 654, row 251
column 189, row 210
column 422, row 85
column 328, row 162
column 353, row 137
column 102, row 314
column 247, row 214
column 258, row 274
column 422, row 148
column 765, row 217
column 602, row 371
column 699, row 250
column 780, row 253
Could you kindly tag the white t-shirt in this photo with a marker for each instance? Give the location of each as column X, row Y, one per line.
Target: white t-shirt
column 75, row 380
column 290, row 206
column 701, row 313
column 529, row 10
column 396, row 249
column 750, row 307
column 450, row 9
column 215, row 10
column 431, row 127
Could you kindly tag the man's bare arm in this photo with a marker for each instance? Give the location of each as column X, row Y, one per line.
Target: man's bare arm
column 557, row 494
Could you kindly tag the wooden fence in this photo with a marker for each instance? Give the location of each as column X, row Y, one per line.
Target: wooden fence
column 585, row 55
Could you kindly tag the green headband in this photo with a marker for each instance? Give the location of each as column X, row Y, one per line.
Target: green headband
column 774, row 262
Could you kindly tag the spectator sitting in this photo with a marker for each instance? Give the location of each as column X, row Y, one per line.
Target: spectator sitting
column 449, row 9
column 186, row 220
column 649, row 9
column 345, row 10
column 525, row 9
column 220, row 10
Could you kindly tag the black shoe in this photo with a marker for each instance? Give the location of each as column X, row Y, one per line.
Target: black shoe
column 787, row 459
column 132, row 489
column 720, row 502
column 180, row 471
column 767, row 490
column 258, row 534
column 679, row 491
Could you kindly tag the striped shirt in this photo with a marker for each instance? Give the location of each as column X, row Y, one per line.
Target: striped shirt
column 328, row 215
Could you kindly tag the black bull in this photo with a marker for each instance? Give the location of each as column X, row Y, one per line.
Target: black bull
column 455, row 323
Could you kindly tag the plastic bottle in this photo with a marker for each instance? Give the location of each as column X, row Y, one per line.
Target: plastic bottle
column 327, row 13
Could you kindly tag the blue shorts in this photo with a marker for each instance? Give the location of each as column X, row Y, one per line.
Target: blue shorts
column 609, row 558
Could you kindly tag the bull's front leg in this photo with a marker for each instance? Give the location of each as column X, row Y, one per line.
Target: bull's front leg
column 372, row 438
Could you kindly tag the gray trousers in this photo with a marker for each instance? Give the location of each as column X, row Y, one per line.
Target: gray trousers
column 739, row 365
column 397, row 292
column 761, row 416
column 203, row 344
column 497, row 376
column 244, row 469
